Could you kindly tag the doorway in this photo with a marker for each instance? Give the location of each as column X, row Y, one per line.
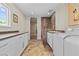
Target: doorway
column 44, row 27
column 33, row 28
column 47, row 24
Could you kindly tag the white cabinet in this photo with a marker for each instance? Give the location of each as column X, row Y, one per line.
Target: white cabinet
column 26, row 40
column 4, row 48
column 50, row 39
column 13, row 46
column 58, row 45
column 16, row 44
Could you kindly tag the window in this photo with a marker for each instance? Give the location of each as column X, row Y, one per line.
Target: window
column 4, row 15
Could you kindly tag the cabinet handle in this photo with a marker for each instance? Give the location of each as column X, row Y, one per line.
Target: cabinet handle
column 4, row 45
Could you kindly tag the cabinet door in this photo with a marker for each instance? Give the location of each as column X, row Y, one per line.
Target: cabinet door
column 13, row 46
column 16, row 44
column 4, row 47
column 4, row 50
column 26, row 39
column 21, row 38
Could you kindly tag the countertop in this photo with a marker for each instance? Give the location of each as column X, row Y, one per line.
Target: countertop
column 51, row 31
column 4, row 36
column 62, row 31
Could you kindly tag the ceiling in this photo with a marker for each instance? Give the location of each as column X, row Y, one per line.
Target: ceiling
column 36, row 9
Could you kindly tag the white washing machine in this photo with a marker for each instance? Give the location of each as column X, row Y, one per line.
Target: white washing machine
column 71, row 46
column 58, row 41
column 58, row 44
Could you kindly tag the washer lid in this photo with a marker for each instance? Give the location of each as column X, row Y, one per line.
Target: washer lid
column 72, row 39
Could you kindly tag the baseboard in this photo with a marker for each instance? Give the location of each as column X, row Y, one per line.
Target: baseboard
column 22, row 51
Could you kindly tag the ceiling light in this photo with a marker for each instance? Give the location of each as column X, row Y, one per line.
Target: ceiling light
column 48, row 13
column 50, row 10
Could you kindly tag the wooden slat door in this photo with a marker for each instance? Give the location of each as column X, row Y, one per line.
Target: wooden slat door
column 47, row 24
column 33, row 28
column 53, row 22
column 43, row 30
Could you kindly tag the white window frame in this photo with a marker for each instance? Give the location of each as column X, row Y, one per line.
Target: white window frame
column 7, row 24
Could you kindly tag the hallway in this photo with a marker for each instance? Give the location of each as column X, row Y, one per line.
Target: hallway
column 36, row 48
column 39, row 29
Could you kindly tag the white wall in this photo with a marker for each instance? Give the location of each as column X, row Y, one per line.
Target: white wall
column 76, row 5
column 39, row 28
column 61, row 17
column 28, row 25
column 21, row 20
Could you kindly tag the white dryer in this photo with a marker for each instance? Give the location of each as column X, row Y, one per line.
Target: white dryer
column 71, row 46
column 58, row 41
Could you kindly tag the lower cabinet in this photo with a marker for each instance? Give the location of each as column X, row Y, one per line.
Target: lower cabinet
column 13, row 46
column 50, row 39
column 4, row 48
column 26, row 40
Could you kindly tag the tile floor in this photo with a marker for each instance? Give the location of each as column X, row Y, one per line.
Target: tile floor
column 36, row 48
